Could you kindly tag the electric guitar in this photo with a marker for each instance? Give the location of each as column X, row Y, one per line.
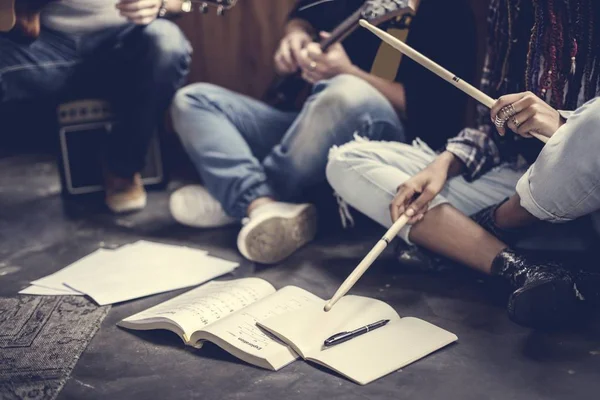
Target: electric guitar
column 22, row 17
column 289, row 93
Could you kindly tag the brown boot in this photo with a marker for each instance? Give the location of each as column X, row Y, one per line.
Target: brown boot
column 124, row 195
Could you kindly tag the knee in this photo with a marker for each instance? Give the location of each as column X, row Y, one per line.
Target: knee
column 196, row 96
column 166, row 45
column 342, row 159
column 578, row 143
column 192, row 98
column 353, row 96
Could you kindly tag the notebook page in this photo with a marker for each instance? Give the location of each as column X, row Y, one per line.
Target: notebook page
column 366, row 357
column 384, row 350
column 204, row 305
column 308, row 327
column 241, row 331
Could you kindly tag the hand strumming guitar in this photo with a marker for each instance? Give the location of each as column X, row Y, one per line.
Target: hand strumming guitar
column 317, row 65
column 287, row 55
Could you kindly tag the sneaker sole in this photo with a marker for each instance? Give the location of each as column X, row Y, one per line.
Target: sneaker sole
column 129, row 206
column 274, row 239
column 547, row 305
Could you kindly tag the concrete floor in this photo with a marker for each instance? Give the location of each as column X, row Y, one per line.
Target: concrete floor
column 494, row 359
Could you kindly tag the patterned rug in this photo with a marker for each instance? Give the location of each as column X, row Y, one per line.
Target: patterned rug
column 41, row 339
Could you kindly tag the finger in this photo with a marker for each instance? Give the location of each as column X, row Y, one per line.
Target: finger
column 282, row 65
column 296, row 46
column 136, row 5
column 142, row 20
column 303, row 60
column 419, row 215
column 503, row 102
column 286, row 53
column 140, row 15
column 394, row 210
column 324, row 35
column 314, row 51
column 397, row 206
column 418, row 206
column 404, row 197
column 527, row 101
column 530, row 126
column 515, row 123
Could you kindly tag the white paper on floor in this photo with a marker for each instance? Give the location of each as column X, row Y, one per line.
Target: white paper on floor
column 133, row 271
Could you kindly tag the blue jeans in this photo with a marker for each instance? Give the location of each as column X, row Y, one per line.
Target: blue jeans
column 136, row 68
column 562, row 185
column 245, row 149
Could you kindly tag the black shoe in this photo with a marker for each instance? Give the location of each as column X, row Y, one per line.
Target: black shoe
column 486, row 218
column 545, row 294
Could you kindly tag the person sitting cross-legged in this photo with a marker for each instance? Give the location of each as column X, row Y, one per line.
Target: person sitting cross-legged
column 497, row 174
column 256, row 160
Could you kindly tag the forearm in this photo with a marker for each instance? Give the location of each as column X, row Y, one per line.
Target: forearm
column 393, row 91
column 450, row 163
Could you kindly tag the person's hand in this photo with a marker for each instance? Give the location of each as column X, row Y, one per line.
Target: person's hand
column 140, row 12
column 286, row 56
column 414, row 196
column 526, row 113
column 317, row 65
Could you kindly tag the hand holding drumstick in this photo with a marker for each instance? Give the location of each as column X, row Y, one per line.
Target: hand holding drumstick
column 508, row 114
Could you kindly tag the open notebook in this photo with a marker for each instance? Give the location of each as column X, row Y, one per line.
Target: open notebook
column 367, row 357
column 226, row 313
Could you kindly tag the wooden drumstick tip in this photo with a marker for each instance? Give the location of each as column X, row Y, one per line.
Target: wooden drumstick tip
column 327, row 307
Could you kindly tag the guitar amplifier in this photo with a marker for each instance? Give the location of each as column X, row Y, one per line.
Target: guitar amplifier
column 84, row 126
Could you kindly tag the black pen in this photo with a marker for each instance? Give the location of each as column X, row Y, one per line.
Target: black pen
column 344, row 336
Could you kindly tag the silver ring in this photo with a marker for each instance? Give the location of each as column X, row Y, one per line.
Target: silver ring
column 516, row 122
column 312, row 65
column 499, row 122
column 508, row 112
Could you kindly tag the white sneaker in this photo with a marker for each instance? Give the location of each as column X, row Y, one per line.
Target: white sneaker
column 193, row 206
column 276, row 230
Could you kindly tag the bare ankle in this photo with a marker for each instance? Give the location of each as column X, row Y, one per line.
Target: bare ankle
column 258, row 202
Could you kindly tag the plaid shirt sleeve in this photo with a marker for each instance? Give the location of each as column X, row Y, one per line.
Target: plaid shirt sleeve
column 476, row 148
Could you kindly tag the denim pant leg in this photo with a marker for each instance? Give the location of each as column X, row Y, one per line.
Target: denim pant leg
column 367, row 174
column 226, row 135
column 338, row 110
column 139, row 69
column 564, row 182
column 37, row 70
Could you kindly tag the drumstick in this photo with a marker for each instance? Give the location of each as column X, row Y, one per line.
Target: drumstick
column 367, row 261
column 437, row 69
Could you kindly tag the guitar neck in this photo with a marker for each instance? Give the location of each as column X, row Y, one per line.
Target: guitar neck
column 342, row 30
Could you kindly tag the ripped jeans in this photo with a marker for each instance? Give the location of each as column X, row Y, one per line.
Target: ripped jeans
column 244, row 149
column 562, row 185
